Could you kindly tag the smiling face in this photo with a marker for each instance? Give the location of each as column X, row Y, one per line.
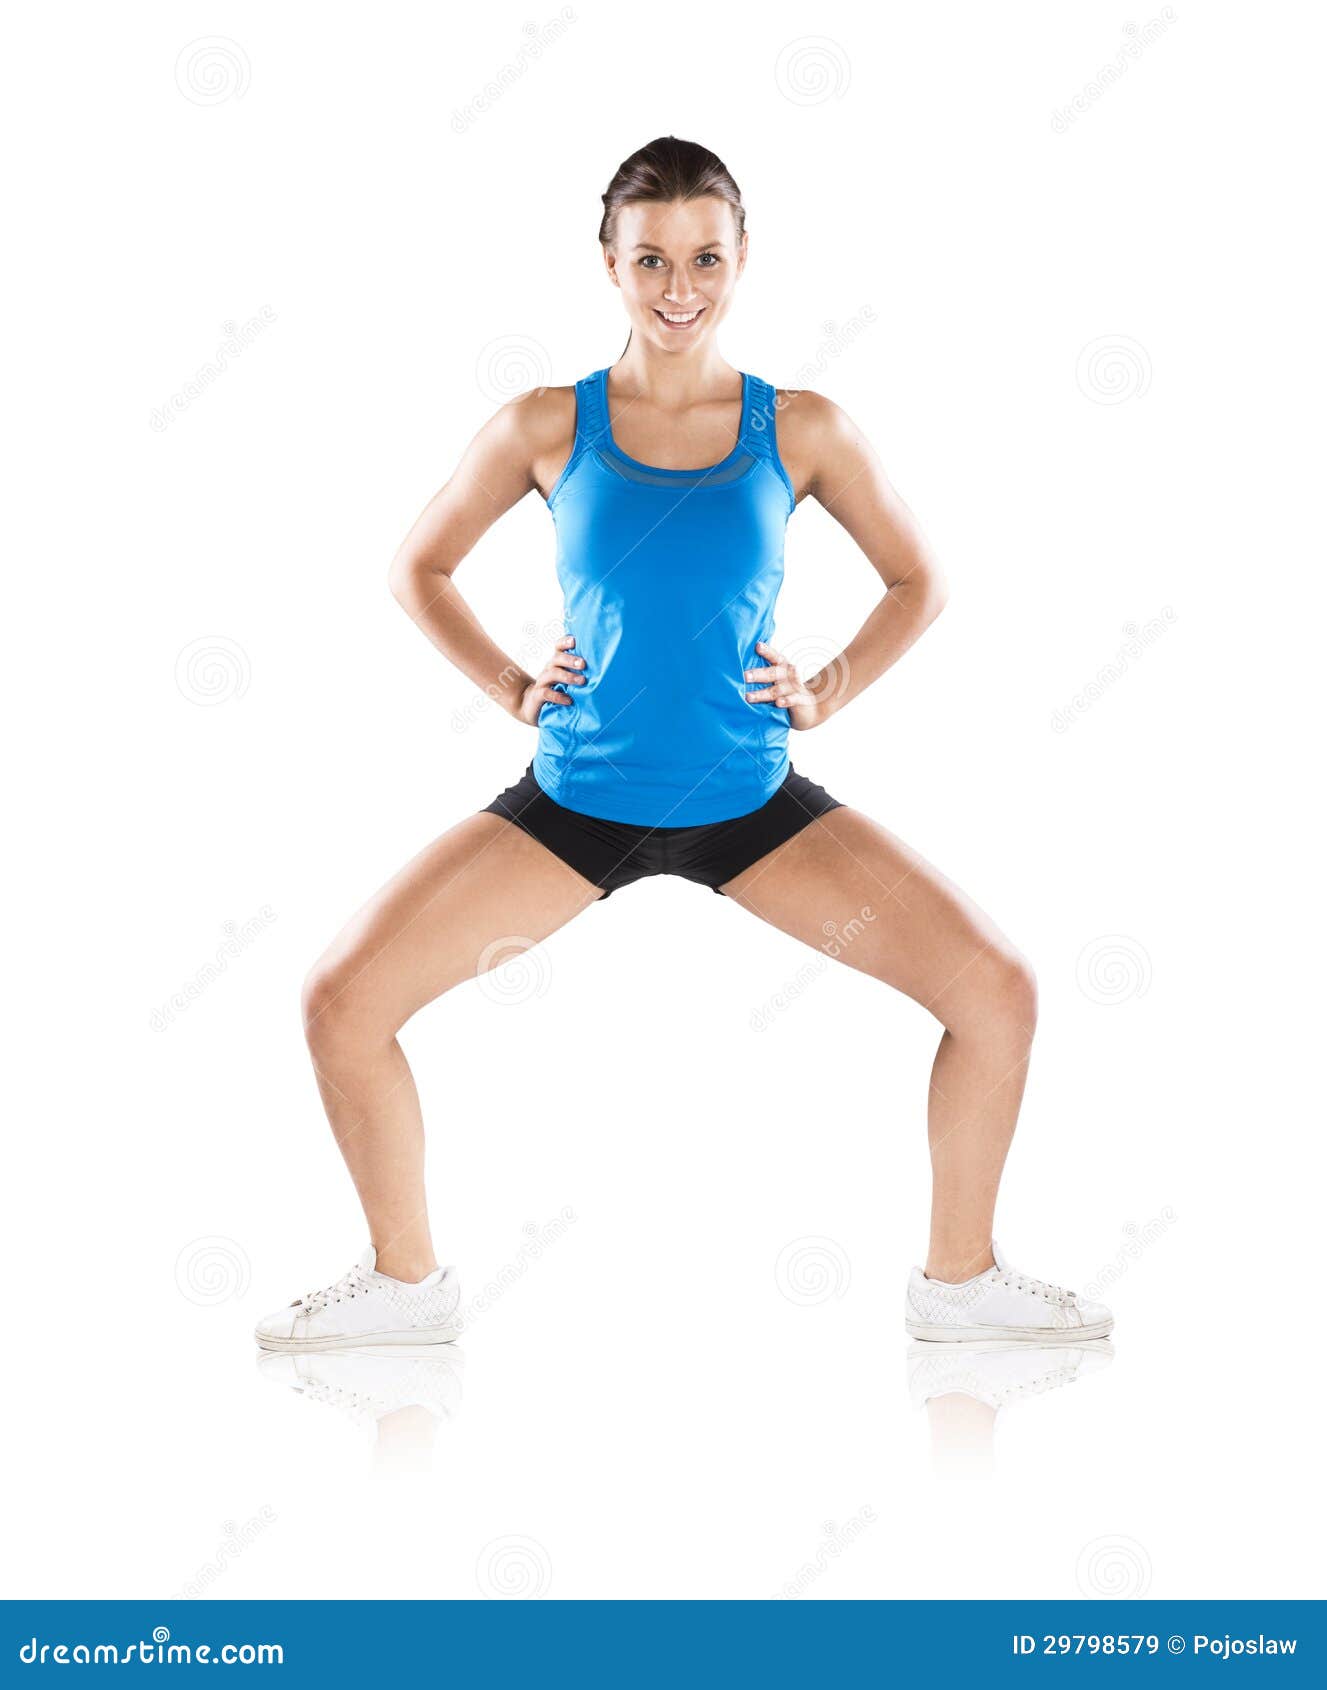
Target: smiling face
column 677, row 266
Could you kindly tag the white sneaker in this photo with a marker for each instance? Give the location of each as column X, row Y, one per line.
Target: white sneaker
column 1000, row 1303
column 365, row 1307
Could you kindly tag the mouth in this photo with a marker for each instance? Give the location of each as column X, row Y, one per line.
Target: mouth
column 679, row 321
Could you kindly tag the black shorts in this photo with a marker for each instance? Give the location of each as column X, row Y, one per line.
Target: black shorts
column 613, row 854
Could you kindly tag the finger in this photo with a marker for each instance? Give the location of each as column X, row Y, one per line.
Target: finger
column 566, row 640
column 778, row 673
column 784, row 697
column 769, row 651
column 553, row 696
column 566, row 665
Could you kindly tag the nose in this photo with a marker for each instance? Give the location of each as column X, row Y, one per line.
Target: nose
column 680, row 290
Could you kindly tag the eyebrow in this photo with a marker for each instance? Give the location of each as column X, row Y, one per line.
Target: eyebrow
column 648, row 246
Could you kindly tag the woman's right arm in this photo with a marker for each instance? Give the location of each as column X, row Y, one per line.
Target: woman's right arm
column 499, row 467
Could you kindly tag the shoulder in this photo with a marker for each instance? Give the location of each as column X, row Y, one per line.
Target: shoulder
column 535, row 421
column 808, row 421
column 818, row 441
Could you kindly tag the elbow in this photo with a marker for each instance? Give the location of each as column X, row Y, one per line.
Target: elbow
column 403, row 578
column 417, row 582
column 932, row 590
column 924, row 591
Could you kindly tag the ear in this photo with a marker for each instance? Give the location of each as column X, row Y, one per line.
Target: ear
column 610, row 264
column 741, row 253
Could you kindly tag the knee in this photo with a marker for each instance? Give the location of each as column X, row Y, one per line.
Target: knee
column 1017, row 993
column 334, row 1006
column 1011, row 993
column 998, row 997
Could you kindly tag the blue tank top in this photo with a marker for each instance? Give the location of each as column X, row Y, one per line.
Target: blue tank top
column 669, row 577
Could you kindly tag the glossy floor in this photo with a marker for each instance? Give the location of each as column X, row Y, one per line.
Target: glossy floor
column 546, row 1456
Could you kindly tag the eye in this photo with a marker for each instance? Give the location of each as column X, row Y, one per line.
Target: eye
column 713, row 256
column 650, row 259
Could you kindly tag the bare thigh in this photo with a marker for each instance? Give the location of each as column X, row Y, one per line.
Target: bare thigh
column 481, row 891
column 853, row 890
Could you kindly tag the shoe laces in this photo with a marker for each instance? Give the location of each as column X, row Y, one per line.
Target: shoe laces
column 349, row 1285
column 1034, row 1287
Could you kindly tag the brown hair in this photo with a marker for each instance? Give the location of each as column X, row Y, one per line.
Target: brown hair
column 668, row 169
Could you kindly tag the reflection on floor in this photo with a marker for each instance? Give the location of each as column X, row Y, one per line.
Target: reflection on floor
column 396, row 1394
column 399, row 1395
column 964, row 1387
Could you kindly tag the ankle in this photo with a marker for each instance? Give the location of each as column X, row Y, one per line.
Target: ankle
column 955, row 1266
column 408, row 1269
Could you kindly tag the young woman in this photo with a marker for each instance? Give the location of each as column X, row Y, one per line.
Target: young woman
column 663, row 718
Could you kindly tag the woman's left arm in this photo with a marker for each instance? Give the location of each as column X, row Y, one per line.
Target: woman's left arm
column 827, row 456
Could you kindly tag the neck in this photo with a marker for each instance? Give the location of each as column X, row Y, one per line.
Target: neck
column 674, row 380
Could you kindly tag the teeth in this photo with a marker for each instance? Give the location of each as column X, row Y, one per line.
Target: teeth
column 679, row 316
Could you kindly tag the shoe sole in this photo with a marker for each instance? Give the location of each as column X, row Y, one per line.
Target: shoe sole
column 1008, row 1334
column 359, row 1341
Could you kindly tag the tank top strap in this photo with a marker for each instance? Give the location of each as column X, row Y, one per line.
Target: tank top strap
column 758, row 419
column 591, row 427
column 758, row 431
column 591, row 410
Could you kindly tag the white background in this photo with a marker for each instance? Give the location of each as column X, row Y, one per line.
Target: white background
column 645, row 1404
